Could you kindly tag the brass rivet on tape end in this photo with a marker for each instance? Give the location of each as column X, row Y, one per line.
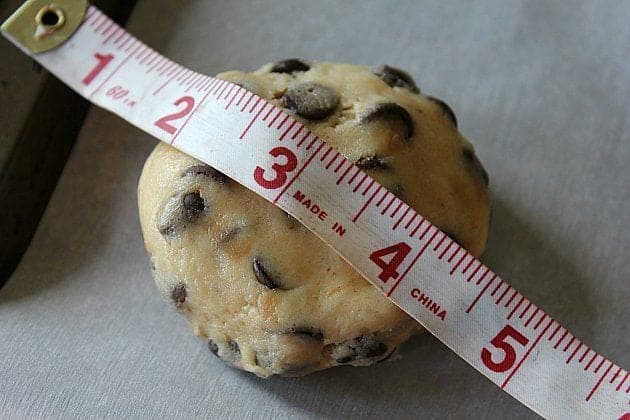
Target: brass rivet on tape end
column 50, row 17
column 41, row 25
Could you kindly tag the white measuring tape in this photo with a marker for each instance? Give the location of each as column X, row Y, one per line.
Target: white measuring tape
column 461, row 301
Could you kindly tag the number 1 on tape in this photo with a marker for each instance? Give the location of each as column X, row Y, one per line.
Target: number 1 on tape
column 461, row 301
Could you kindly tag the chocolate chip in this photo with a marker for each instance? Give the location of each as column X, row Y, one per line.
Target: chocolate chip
column 180, row 211
column 452, row 236
column 445, row 108
column 311, row 100
column 193, row 204
column 306, row 332
column 471, row 159
column 372, row 162
column 262, row 276
column 213, row 347
column 388, row 111
column 234, row 347
column 207, row 171
column 178, row 295
column 362, row 347
column 396, row 78
column 289, row 65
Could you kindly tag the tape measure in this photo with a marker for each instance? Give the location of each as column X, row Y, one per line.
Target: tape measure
column 419, row 268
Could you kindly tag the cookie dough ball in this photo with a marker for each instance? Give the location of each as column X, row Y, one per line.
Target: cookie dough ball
column 265, row 293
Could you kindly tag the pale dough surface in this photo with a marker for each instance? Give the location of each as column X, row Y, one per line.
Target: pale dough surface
column 270, row 297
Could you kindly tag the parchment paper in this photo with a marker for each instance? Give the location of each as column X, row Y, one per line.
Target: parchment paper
column 541, row 88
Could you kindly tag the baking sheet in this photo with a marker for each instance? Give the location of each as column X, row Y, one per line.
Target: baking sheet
column 541, row 88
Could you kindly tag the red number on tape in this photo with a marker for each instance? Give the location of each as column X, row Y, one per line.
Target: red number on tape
column 280, row 170
column 400, row 251
column 500, row 343
column 117, row 92
column 163, row 122
column 103, row 60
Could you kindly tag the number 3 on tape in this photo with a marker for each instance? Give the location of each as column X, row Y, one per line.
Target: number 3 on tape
column 280, row 170
column 473, row 311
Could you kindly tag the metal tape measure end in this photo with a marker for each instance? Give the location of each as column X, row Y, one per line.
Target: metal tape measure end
column 41, row 25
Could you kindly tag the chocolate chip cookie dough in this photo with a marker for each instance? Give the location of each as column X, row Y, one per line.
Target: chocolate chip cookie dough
column 265, row 293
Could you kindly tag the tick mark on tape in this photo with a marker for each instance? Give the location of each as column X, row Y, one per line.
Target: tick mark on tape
column 303, row 139
column 356, row 217
column 413, row 232
column 229, row 104
column 312, row 143
column 516, row 307
column 588, row 365
column 249, row 99
column 622, row 381
column 503, row 295
column 253, row 119
column 472, row 305
column 343, row 175
column 353, row 177
column 598, row 383
column 450, row 259
column 413, row 262
column 110, row 75
column 401, row 218
column 286, row 117
column 615, row 375
column 245, row 93
column 510, row 299
column 474, row 272
column 287, row 130
column 529, row 351
column 299, row 172
column 584, row 355
column 440, row 243
column 297, row 132
column 464, row 255
column 333, row 159
column 389, row 204
column 574, row 352
column 566, row 332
